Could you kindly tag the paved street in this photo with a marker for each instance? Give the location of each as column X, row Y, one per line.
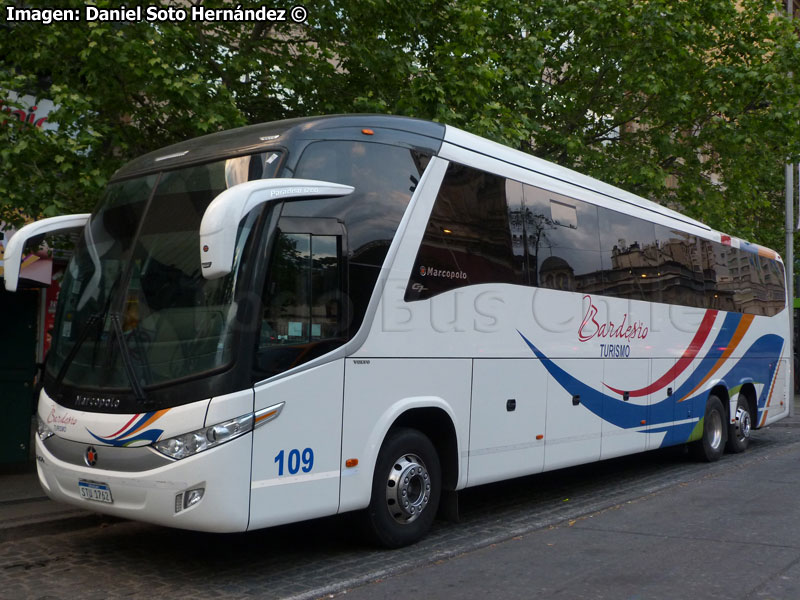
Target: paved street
column 653, row 526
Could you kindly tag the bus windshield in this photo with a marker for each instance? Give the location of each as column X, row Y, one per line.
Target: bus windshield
column 135, row 310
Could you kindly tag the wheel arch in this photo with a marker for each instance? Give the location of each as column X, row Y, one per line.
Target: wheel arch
column 438, row 426
column 720, row 390
column 748, row 392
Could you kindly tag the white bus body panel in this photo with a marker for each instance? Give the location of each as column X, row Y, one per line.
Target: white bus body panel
column 311, row 420
column 659, row 367
column 229, row 406
column 634, row 374
column 507, row 441
column 573, row 432
column 377, row 392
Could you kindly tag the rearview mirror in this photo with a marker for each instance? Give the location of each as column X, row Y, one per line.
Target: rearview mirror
column 12, row 259
column 222, row 217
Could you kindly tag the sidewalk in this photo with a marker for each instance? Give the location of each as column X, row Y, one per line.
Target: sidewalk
column 25, row 510
column 23, row 504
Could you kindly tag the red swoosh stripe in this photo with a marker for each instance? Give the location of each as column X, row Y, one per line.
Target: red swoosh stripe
column 155, row 417
column 684, row 361
column 123, row 428
column 741, row 329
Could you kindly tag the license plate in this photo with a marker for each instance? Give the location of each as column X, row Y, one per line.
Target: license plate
column 93, row 490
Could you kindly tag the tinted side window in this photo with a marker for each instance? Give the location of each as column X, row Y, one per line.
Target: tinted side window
column 631, row 257
column 723, row 295
column 468, row 239
column 774, row 284
column 384, row 177
column 680, row 275
column 516, row 225
column 487, row 229
column 562, row 242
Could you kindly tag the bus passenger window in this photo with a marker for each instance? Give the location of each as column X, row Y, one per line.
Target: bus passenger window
column 562, row 244
column 681, row 276
column 773, row 283
column 469, row 237
column 631, row 258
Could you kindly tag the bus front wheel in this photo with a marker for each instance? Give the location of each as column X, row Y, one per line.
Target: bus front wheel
column 406, row 488
column 710, row 447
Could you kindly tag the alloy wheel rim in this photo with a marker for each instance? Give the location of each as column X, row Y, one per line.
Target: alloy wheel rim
column 408, row 488
column 743, row 424
column 715, row 429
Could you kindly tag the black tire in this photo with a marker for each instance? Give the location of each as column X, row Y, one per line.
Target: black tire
column 406, row 487
column 739, row 430
column 715, row 432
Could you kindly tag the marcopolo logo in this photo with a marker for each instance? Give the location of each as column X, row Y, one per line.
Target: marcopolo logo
column 441, row 273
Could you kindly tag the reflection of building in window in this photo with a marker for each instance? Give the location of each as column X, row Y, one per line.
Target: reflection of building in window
column 689, row 271
column 486, row 229
column 555, row 273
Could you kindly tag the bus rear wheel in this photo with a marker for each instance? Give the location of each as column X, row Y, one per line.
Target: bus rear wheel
column 406, row 488
column 711, row 446
column 739, row 430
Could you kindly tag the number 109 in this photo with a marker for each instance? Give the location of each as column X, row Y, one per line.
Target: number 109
column 296, row 461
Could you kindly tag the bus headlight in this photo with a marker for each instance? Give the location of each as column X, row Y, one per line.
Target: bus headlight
column 42, row 429
column 193, row 442
column 189, row 444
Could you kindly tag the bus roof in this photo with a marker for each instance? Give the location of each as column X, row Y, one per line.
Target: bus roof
column 424, row 135
column 546, row 168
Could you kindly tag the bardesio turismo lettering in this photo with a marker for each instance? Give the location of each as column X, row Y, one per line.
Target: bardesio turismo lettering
column 441, row 273
column 615, row 350
column 590, row 328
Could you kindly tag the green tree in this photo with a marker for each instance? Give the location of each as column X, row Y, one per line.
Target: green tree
column 123, row 89
column 687, row 103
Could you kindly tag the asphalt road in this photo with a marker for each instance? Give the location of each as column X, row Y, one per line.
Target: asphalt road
column 655, row 525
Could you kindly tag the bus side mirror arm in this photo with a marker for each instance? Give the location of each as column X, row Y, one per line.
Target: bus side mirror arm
column 221, row 219
column 12, row 258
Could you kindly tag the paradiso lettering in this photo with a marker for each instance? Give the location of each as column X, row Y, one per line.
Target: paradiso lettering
column 610, row 332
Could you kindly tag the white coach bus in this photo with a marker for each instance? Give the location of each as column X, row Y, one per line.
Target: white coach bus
column 344, row 313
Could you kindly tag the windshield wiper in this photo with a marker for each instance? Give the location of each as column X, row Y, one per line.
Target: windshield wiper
column 127, row 361
column 93, row 320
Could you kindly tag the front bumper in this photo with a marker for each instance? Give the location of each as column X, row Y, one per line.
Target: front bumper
column 150, row 495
